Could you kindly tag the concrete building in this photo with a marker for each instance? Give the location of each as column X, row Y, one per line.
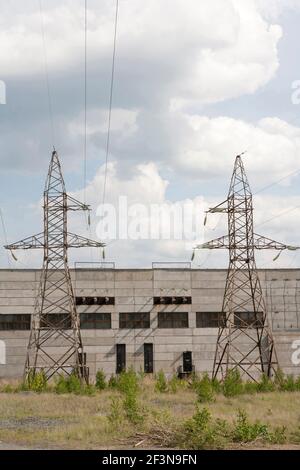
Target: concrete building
column 125, row 322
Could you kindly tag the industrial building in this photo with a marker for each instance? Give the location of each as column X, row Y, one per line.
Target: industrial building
column 163, row 318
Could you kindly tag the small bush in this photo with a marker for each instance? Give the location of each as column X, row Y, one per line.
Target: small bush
column 201, row 431
column 69, row 384
column 250, row 387
column 265, row 384
column 205, row 389
column 131, row 408
column 113, row 382
column 279, row 379
column 161, row 384
column 128, row 382
column 233, row 384
column 289, row 384
column 175, row 384
column 100, row 380
column 36, row 381
column 116, row 414
column 244, row 431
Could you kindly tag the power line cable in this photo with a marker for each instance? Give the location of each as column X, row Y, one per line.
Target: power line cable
column 277, row 182
column 85, row 97
column 278, row 215
column 47, row 74
column 5, row 236
column 111, row 99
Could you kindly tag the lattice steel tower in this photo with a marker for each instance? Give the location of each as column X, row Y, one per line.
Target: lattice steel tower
column 55, row 344
column 245, row 340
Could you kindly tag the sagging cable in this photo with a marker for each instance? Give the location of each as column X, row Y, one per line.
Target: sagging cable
column 277, row 256
column 13, row 255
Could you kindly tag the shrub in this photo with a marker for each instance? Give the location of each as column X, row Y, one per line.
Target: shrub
column 36, row 381
column 116, row 415
column 128, row 382
column 205, row 389
column 131, row 408
column 113, row 382
column 202, row 432
column 69, row 384
column 265, row 384
column 232, row 385
column 250, row 387
column 279, row 379
column 161, row 384
column 100, row 380
column 289, row 384
column 245, row 431
column 175, row 383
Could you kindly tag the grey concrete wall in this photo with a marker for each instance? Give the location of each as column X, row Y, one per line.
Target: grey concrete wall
column 134, row 291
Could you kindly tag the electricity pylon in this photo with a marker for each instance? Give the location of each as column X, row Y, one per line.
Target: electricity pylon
column 245, row 340
column 55, row 344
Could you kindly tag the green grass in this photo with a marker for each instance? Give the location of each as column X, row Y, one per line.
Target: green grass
column 115, row 418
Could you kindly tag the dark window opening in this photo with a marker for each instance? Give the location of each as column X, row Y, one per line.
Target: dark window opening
column 56, row 320
column 121, row 358
column 172, row 300
column 148, row 358
column 15, row 322
column 95, row 321
column 134, row 320
column 173, row 320
column 187, row 362
column 246, row 319
column 95, row 300
column 210, row 319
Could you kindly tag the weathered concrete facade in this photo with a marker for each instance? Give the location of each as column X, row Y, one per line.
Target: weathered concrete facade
column 134, row 291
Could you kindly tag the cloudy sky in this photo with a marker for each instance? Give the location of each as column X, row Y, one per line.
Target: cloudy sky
column 196, row 83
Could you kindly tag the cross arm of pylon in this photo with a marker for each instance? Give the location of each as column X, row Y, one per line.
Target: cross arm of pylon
column 220, row 208
column 217, row 243
column 260, row 243
column 264, row 243
column 35, row 241
column 75, row 205
column 76, row 241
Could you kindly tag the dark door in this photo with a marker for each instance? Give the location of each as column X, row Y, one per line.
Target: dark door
column 148, row 358
column 121, row 358
column 187, row 361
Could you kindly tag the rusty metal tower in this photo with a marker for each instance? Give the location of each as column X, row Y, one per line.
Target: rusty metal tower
column 55, row 344
column 245, row 340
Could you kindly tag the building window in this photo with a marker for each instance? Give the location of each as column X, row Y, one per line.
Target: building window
column 95, row 321
column 95, row 300
column 15, row 322
column 246, row 319
column 173, row 320
column 172, row 300
column 134, row 320
column 56, row 320
column 209, row 319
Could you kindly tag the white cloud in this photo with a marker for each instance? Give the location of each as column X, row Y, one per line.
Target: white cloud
column 272, row 145
column 272, row 9
column 203, row 52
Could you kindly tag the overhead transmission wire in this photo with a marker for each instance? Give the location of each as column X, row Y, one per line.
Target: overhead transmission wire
column 110, row 100
column 85, row 98
column 5, row 236
column 107, row 149
column 46, row 67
